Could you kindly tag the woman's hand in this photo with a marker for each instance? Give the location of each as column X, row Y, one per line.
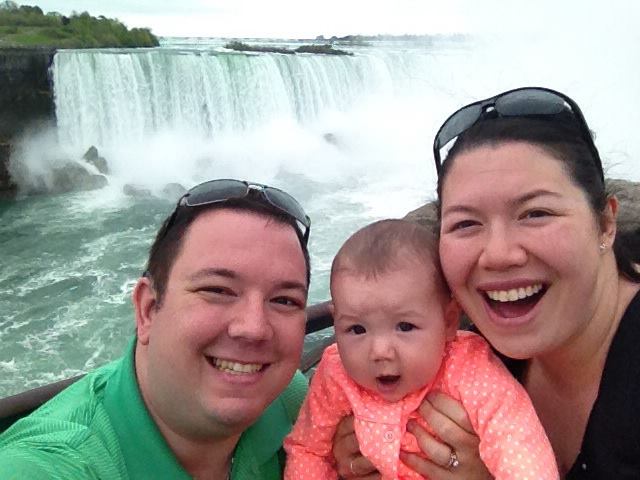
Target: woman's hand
column 458, row 443
column 350, row 463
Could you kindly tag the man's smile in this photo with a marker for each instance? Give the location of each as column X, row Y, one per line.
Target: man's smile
column 234, row 367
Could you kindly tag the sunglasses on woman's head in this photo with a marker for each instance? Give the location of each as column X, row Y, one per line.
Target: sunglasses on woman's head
column 535, row 102
column 223, row 190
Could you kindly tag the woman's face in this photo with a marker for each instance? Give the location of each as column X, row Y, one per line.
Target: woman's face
column 520, row 247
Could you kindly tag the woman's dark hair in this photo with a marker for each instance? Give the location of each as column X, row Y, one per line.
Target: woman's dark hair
column 169, row 239
column 565, row 142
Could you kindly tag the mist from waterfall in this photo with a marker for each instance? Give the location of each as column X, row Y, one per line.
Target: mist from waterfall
column 184, row 115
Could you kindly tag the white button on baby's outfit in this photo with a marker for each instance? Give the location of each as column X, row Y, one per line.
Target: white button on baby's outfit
column 388, row 436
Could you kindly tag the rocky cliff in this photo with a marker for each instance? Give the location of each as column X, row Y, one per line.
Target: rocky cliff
column 26, row 98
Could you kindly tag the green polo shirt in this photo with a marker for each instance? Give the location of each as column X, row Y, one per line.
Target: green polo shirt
column 99, row 427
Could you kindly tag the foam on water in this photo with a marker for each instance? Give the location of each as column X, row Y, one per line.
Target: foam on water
column 9, row 367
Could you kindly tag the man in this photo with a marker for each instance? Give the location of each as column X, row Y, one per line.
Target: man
column 206, row 387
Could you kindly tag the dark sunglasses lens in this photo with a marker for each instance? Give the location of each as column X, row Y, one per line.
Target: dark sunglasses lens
column 286, row 202
column 530, row 102
column 215, row 191
column 458, row 123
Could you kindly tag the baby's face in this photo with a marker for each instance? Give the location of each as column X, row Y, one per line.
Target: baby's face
column 391, row 330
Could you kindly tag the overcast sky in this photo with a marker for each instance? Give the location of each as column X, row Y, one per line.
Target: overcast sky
column 304, row 19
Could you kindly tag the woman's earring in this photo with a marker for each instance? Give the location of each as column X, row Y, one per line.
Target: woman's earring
column 602, row 247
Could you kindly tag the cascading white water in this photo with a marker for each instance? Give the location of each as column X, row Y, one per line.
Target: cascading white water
column 189, row 111
column 103, row 97
column 183, row 115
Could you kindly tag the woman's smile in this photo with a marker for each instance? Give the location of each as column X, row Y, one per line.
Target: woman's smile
column 515, row 302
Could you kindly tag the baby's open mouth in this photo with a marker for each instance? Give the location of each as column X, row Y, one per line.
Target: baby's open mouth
column 515, row 302
column 388, row 380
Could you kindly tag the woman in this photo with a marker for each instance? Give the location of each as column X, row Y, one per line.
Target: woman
column 529, row 247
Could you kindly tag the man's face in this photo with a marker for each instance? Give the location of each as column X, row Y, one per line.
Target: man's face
column 228, row 336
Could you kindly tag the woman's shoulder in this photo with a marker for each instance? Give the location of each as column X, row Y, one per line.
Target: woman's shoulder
column 611, row 444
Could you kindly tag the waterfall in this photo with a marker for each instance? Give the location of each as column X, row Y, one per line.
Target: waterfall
column 192, row 110
column 107, row 96
column 183, row 114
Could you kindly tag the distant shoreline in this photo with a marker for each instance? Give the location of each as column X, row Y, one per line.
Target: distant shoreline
column 345, row 40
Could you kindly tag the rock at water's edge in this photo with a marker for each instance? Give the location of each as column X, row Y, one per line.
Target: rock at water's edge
column 26, row 98
column 93, row 157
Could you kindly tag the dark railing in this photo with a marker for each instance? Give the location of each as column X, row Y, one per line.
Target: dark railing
column 17, row 406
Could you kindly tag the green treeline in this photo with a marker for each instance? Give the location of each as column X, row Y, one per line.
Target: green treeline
column 29, row 26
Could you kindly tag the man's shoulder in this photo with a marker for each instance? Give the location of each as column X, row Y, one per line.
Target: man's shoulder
column 31, row 459
column 70, row 430
column 74, row 407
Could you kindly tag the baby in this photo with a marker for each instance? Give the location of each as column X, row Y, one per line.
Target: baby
column 397, row 340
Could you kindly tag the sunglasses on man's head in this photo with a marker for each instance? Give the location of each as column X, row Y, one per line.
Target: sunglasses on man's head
column 534, row 102
column 223, row 190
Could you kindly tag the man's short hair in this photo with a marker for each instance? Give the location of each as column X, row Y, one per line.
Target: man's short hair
column 169, row 239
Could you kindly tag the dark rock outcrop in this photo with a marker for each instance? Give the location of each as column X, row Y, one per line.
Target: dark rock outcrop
column 628, row 194
column 73, row 177
column 425, row 215
column 325, row 49
column 136, row 191
column 331, row 138
column 68, row 177
column 172, row 191
column 7, row 187
column 93, row 157
column 26, row 98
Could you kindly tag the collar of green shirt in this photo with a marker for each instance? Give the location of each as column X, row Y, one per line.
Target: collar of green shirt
column 147, row 454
